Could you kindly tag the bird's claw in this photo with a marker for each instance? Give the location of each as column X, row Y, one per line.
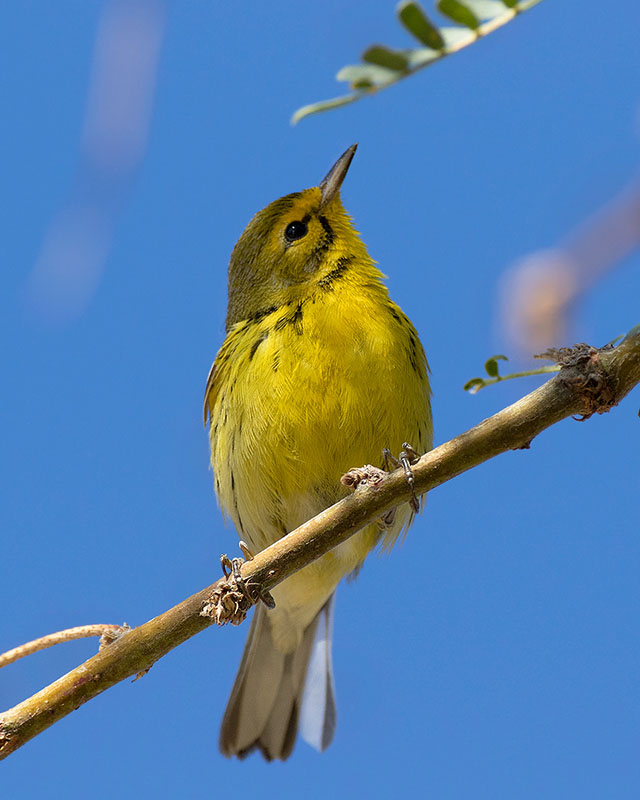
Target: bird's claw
column 232, row 567
column 407, row 457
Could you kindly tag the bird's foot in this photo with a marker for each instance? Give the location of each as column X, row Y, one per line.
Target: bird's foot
column 407, row 457
column 232, row 567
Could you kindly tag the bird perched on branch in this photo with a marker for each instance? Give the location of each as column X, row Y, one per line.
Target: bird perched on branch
column 320, row 370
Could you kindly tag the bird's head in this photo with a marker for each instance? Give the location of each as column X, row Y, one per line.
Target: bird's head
column 290, row 245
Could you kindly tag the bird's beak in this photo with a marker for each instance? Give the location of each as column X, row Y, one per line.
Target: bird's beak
column 331, row 183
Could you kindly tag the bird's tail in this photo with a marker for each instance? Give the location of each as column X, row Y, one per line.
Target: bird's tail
column 274, row 691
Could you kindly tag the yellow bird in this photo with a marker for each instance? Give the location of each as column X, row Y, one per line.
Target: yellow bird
column 320, row 370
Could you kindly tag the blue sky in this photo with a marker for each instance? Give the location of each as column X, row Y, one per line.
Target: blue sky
column 508, row 665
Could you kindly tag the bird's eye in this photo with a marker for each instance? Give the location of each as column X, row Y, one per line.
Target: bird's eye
column 295, row 230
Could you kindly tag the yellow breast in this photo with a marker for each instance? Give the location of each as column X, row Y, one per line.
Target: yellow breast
column 303, row 393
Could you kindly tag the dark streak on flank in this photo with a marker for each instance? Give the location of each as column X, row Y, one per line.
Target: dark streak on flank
column 282, row 323
column 240, row 523
column 257, row 344
column 234, row 499
column 342, row 265
column 413, row 357
column 276, row 361
column 258, row 315
column 395, row 314
column 294, row 319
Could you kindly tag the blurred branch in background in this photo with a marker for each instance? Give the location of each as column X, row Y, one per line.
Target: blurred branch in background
column 537, row 294
column 76, row 245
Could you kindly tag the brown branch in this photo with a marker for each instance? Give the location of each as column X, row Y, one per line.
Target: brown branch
column 591, row 381
column 68, row 635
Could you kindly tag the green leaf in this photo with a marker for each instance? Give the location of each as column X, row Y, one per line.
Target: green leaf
column 325, row 105
column 474, row 382
column 385, row 57
column 457, row 38
column 412, row 16
column 458, row 12
column 367, row 75
column 485, row 9
column 510, row 3
column 491, row 366
column 421, row 56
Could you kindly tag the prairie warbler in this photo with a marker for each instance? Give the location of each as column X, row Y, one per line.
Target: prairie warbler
column 320, row 370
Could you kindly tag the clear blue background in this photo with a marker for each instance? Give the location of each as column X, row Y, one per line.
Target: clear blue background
column 497, row 653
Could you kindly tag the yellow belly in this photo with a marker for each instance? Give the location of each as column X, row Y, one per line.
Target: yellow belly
column 304, row 394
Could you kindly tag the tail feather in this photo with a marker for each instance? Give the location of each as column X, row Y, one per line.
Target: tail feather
column 279, row 734
column 264, row 706
column 254, row 691
column 318, row 715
